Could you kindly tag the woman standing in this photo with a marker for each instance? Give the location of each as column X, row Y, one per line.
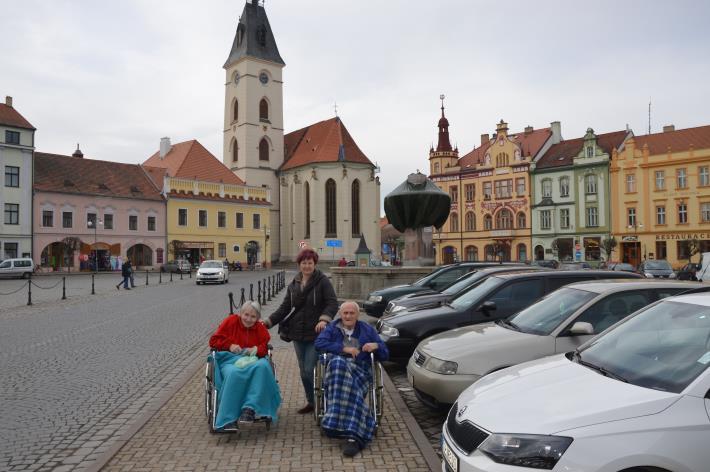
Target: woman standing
column 309, row 305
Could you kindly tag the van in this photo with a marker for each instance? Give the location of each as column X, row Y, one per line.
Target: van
column 22, row 267
column 703, row 273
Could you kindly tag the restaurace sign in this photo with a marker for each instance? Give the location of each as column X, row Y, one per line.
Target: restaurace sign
column 682, row 236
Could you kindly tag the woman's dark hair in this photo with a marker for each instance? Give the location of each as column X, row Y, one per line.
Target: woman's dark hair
column 307, row 254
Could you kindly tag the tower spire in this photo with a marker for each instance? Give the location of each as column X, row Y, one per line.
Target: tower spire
column 444, row 144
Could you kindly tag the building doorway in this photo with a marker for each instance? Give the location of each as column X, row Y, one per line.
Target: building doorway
column 631, row 253
column 539, row 253
column 252, row 249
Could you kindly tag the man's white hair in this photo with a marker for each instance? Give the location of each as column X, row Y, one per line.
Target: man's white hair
column 350, row 302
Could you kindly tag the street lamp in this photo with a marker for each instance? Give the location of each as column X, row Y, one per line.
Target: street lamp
column 94, row 224
column 267, row 234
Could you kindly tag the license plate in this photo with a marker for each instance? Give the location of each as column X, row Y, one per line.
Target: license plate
column 450, row 457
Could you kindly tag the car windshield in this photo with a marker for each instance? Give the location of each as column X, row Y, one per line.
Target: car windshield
column 463, row 282
column 211, row 265
column 665, row 347
column 625, row 267
column 657, row 265
column 545, row 315
column 467, row 299
column 423, row 281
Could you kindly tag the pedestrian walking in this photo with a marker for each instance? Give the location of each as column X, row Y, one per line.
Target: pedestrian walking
column 131, row 274
column 126, row 274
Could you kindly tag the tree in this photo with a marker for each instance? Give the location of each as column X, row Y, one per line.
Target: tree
column 555, row 246
column 70, row 245
column 176, row 247
column 609, row 244
column 691, row 247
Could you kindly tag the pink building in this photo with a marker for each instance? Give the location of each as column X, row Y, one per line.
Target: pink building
column 108, row 211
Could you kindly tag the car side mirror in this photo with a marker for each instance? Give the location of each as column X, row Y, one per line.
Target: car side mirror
column 581, row 327
column 487, row 307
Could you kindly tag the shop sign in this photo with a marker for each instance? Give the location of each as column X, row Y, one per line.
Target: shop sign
column 628, row 239
column 682, row 236
column 197, row 245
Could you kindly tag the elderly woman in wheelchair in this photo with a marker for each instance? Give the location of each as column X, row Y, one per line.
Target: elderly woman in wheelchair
column 348, row 383
column 240, row 385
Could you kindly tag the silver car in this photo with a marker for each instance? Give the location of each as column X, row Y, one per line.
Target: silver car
column 21, row 267
column 445, row 364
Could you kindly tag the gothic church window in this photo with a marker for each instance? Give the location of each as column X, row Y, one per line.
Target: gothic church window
column 235, row 150
column 331, row 227
column 264, row 150
column 235, row 116
column 263, row 110
column 355, row 202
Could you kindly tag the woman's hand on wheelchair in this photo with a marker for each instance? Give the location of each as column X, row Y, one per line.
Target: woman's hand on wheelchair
column 235, row 349
column 353, row 351
column 370, row 347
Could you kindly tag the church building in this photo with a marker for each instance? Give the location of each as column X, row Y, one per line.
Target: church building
column 324, row 191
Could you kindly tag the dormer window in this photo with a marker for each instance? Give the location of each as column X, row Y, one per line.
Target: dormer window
column 590, row 151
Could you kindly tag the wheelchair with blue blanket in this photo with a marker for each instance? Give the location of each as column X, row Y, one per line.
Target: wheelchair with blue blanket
column 212, row 397
column 374, row 396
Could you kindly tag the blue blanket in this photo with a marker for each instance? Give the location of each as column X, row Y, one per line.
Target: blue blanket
column 346, row 384
column 252, row 386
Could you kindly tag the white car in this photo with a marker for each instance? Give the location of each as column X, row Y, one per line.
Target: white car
column 20, row 267
column 212, row 271
column 634, row 399
column 445, row 364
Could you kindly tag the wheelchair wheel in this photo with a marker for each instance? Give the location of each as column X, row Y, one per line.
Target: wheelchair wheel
column 318, row 392
column 208, row 389
column 379, row 387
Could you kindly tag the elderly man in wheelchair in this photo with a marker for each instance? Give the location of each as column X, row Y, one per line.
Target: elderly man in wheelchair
column 348, row 379
column 240, row 385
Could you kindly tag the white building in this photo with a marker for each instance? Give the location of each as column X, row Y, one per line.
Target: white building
column 17, row 140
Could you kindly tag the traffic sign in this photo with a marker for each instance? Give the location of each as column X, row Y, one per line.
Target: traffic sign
column 302, row 245
column 334, row 243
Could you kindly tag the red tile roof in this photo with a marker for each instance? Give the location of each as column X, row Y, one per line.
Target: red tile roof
column 563, row 153
column 679, row 140
column 67, row 174
column 11, row 117
column 190, row 160
column 156, row 174
column 325, row 141
column 530, row 143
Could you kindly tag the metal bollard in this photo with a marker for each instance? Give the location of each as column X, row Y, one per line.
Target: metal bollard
column 160, row 277
column 93, row 292
column 242, row 300
column 190, row 272
column 181, row 274
column 64, row 288
column 231, row 302
column 29, row 291
column 146, row 277
column 251, row 292
column 171, row 275
column 259, row 292
column 270, row 284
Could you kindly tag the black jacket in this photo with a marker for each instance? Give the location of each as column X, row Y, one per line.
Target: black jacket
column 316, row 302
column 126, row 269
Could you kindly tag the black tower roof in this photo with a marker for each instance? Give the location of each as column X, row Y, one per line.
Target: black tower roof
column 254, row 37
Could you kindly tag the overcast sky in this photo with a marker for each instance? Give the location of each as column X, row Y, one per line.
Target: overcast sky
column 117, row 76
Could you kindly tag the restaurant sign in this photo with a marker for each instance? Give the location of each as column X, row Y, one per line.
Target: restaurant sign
column 682, row 236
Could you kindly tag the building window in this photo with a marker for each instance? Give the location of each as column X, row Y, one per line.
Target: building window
column 630, row 183
column 590, row 151
column 182, row 217
column 264, row 110
column 436, row 167
column 12, row 214
column 12, row 137
column 545, row 219
column 108, row 221
column 502, row 160
column 151, row 223
column 91, row 220
column 590, row 182
column 522, row 253
column 520, row 185
column 564, row 218
column 660, row 215
column 471, row 253
column 705, row 212
column 592, row 249
column 521, row 220
column 47, row 218
column 256, row 220
column 682, row 178
column 470, row 221
column 682, row 213
column 12, row 176
column 235, row 150
column 487, row 187
column 661, row 250
column 222, row 250
column 592, row 217
column 240, row 220
column 487, row 222
column 504, row 188
column 470, row 190
column 703, row 176
column 308, row 210
column 221, row 219
column 564, row 187
column 263, row 150
column 202, row 218
column 504, row 220
column 355, row 203
column 546, row 188
column 11, row 250
column 631, row 217
column 67, row 219
column 660, row 180
column 454, row 193
column 454, row 222
column 133, row 222
column 235, row 114
column 331, row 227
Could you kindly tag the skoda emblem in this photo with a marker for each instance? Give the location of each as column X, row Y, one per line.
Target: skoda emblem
column 461, row 412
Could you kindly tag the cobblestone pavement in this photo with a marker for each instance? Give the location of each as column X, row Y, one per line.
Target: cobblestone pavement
column 177, row 438
column 77, row 373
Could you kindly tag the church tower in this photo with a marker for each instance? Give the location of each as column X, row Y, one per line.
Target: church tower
column 253, row 110
column 444, row 156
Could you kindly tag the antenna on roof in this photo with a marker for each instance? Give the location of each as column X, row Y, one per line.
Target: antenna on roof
column 335, row 107
column 649, row 115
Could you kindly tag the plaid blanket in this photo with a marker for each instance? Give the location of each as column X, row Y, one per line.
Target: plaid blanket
column 346, row 385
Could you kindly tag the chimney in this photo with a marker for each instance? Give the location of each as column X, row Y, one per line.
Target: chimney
column 165, row 147
column 78, row 152
column 556, row 129
column 8, row 101
column 528, row 129
column 668, row 128
column 484, row 139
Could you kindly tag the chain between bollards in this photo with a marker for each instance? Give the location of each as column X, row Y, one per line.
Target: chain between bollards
column 64, row 288
column 93, row 292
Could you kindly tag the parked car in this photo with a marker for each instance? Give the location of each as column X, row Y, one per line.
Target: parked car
column 20, row 267
column 633, row 399
column 547, row 263
column 622, row 267
column 437, row 280
column 688, row 271
column 212, row 271
column 179, row 266
column 445, row 364
column 574, row 265
column 498, row 296
column 432, row 298
column 658, row 269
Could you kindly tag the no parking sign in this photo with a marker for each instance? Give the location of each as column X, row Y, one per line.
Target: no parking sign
column 302, row 245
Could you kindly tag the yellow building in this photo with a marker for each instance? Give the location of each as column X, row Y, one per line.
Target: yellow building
column 660, row 189
column 490, row 194
column 211, row 213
